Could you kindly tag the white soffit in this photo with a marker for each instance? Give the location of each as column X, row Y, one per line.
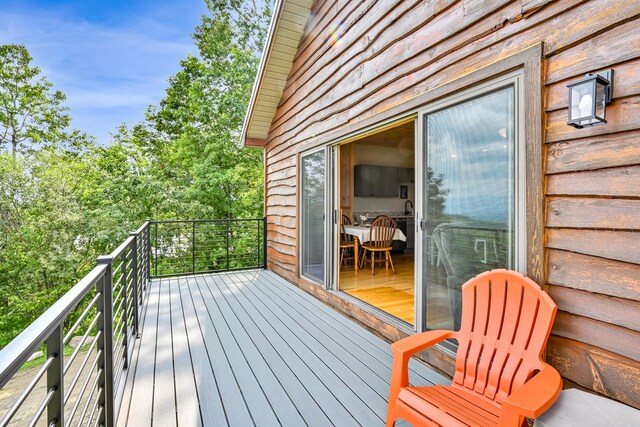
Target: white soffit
column 286, row 29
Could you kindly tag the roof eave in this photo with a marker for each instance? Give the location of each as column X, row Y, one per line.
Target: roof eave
column 266, row 52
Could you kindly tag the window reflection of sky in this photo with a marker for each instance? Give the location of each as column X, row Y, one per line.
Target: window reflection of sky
column 466, row 145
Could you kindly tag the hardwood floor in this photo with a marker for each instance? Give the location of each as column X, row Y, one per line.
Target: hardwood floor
column 393, row 293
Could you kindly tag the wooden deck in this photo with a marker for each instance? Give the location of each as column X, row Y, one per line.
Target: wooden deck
column 249, row 348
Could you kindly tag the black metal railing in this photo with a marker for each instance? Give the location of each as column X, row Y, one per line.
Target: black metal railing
column 207, row 246
column 89, row 334
column 99, row 316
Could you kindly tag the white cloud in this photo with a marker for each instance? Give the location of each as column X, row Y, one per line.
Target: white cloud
column 110, row 73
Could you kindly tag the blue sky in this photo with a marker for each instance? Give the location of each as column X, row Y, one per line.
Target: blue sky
column 111, row 58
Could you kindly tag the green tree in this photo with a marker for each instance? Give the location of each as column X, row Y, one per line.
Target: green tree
column 43, row 250
column 61, row 206
column 31, row 112
column 437, row 192
column 193, row 132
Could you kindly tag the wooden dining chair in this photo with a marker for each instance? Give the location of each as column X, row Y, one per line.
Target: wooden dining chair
column 347, row 243
column 383, row 228
column 500, row 377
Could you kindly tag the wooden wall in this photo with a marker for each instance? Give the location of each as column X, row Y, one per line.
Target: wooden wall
column 391, row 52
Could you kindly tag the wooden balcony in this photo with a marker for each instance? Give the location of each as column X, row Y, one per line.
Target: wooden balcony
column 248, row 348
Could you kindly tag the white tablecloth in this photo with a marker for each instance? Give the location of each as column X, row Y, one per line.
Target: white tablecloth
column 364, row 233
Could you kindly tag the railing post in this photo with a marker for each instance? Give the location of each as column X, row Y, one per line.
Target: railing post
column 264, row 242
column 227, row 224
column 193, row 247
column 105, row 304
column 125, row 310
column 136, row 278
column 55, row 380
column 156, row 257
column 147, row 254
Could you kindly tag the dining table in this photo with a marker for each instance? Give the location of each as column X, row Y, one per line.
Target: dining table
column 362, row 234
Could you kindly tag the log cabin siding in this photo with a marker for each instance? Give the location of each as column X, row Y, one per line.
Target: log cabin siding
column 390, row 53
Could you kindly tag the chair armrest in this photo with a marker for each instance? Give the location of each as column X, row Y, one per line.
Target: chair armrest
column 402, row 351
column 418, row 342
column 536, row 395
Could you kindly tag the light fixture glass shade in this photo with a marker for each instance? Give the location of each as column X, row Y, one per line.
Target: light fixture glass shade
column 601, row 101
column 588, row 101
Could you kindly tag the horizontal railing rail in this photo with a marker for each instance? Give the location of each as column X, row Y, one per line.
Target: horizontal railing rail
column 184, row 247
column 89, row 334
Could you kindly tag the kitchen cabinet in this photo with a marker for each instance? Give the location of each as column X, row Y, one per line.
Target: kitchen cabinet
column 366, row 179
column 375, row 181
column 390, row 186
column 406, row 175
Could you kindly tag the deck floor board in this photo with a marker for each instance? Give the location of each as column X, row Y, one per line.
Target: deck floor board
column 231, row 394
column 351, row 369
column 287, row 368
column 211, row 408
column 309, row 361
column 253, row 396
column 164, row 401
column 141, row 386
column 187, row 396
column 249, row 348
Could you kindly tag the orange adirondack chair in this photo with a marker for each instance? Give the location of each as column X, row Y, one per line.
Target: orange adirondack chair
column 506, row 321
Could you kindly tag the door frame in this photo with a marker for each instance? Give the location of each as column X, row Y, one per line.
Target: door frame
column 326, row 216
column 516, row 80
column 334, row 286
column 332, row 252
column 531, row 60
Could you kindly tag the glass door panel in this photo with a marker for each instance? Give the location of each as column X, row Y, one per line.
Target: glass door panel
column 312, row 214
column 468, row 199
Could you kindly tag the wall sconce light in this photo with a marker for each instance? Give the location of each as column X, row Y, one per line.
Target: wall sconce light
column 588, row 99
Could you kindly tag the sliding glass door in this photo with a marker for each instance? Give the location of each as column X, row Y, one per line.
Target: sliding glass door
column 469, row 198
column 313, row 181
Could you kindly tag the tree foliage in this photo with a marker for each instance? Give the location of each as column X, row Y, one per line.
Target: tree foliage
column 197, row 125
column 31, row 112
column 64, row 200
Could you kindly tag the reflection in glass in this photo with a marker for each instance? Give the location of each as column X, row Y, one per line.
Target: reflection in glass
column 312, row 214
column 469, row 199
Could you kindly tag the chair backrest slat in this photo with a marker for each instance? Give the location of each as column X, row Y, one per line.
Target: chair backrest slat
column 383, row 228
column 506, row 320
column 478, row 332
column 497, row 304
column 344, row 237
column 513, row 308
column 538, row 339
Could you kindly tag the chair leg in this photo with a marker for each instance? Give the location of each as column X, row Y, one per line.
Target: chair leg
column 341, row 256
column 362, row 257
column 391, row 422
column 373, row 263
column 386, row 260
column 391, row 262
